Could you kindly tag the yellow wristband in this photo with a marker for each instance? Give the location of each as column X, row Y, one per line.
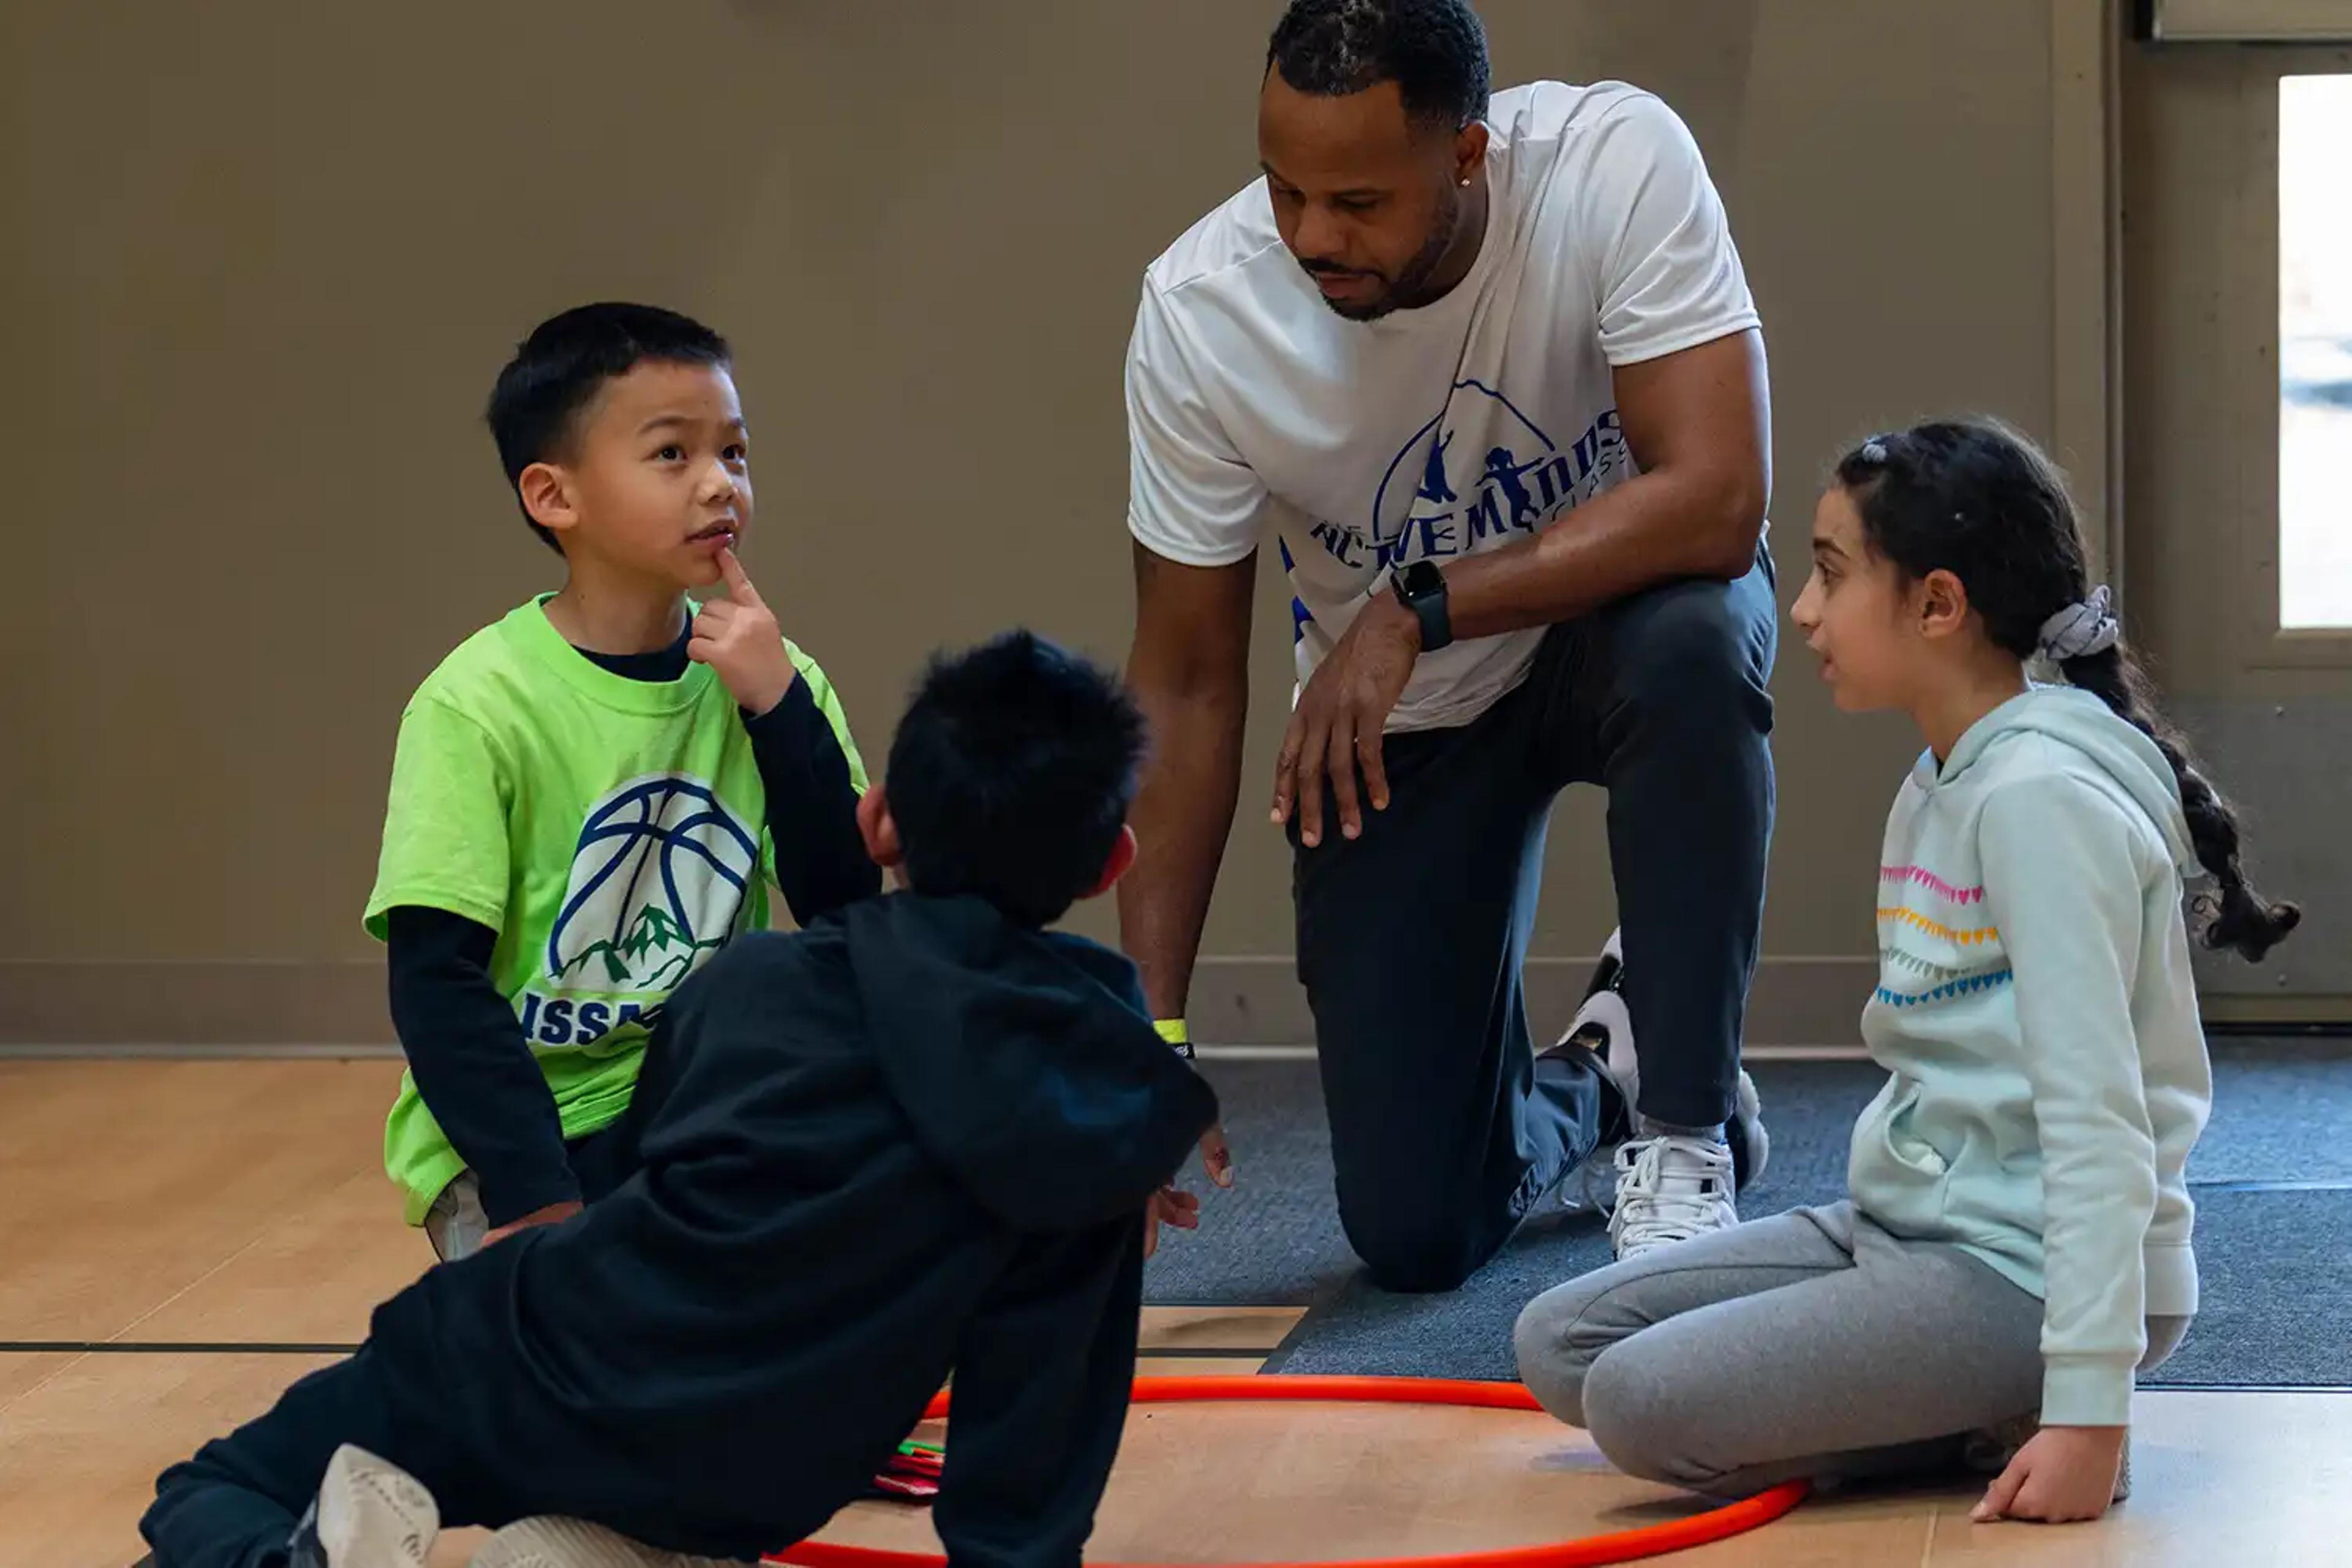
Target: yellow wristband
column 1172, row 1030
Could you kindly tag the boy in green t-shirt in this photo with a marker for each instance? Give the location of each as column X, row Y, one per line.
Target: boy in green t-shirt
column 591, row 795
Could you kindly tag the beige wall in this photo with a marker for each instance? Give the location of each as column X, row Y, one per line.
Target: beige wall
column 262, row 270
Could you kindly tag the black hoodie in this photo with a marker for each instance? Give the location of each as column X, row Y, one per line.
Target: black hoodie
column 913, row 1139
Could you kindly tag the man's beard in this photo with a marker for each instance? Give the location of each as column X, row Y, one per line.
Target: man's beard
column 1410, row 283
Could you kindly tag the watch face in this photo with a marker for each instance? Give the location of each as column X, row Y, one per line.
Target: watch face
column 1422, row 589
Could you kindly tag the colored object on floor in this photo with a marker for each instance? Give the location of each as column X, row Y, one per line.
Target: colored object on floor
column 911, row 1475
column 1586, row 1552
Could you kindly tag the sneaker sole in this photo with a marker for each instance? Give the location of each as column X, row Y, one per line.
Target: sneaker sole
column 555, row 1542
column 1751, row 1145
column 373, row 1514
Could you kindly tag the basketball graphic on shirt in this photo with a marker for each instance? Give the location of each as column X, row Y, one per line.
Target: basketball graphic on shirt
column 658, row 882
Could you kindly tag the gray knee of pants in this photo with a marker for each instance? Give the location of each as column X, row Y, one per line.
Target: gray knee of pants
column 1557, row 1343
column 1639, row 1420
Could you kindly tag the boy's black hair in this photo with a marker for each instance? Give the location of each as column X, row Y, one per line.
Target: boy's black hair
column 1434, row 50
column 558, row 370
column 1011, row 775
column 1978, row 499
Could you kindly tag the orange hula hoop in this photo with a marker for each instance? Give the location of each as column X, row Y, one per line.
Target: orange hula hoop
column 1585, row 1552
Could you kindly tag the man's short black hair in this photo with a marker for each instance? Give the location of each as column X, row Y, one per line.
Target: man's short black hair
column 1434, row 50
column 1011, row 775
column 558, row 370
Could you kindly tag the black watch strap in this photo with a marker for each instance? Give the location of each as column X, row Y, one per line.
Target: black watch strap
column 1421, row 588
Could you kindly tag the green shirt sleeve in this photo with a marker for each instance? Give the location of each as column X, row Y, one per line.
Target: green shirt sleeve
column 828, row 702
column 445, row 825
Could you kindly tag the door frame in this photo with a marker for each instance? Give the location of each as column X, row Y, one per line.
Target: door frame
column 2272, row 707
column 2251, row 373
column 2087, row 270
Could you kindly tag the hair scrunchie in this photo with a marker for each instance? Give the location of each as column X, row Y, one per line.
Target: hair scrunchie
column 2080, row 630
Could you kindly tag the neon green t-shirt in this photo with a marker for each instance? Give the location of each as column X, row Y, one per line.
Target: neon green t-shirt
column 610, row 831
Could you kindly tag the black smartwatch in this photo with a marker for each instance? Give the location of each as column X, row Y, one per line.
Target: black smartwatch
column 1421, row 588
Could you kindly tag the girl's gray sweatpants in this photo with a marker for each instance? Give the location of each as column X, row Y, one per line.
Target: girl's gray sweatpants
column 1809, row 1344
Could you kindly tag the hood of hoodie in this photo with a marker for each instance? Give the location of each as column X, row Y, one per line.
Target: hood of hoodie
column 2081, row 720
column 1027, row 1060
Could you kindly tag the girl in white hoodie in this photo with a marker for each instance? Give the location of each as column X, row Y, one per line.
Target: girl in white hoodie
column 2016, row 1241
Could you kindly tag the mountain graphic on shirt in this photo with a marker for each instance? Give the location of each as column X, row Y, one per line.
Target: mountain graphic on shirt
column 659, row 879
column 655, row 933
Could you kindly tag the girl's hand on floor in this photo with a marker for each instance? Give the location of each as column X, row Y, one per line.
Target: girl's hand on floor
column 2062, row 1475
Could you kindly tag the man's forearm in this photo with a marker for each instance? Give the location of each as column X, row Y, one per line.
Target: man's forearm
column 1183, row 817
column 1655, row 528
column 1699, row 425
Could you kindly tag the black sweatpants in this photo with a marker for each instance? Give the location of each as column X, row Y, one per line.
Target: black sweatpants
column 1042, row 1370
column 1411, row 938
column 914, row 1139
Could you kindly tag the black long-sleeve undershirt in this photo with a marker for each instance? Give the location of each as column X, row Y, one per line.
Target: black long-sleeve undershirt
column 464, row 1045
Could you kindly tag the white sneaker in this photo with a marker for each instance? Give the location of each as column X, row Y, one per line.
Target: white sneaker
column 1670, row 1189
column 1603, row 1026
column 372, row 1514
column 556, row 1543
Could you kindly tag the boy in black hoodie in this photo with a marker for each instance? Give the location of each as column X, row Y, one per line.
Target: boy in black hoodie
column 918, row 1138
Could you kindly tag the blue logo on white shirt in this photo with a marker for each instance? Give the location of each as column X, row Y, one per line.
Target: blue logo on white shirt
column 1506, row 483
column 1480, row 472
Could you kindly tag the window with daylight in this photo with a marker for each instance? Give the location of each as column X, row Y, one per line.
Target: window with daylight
column 2314, row 354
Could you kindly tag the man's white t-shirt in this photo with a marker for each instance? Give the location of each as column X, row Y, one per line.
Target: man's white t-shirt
column 1449, row 430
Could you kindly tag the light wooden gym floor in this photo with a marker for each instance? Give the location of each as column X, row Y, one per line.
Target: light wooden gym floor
column 163, row 1217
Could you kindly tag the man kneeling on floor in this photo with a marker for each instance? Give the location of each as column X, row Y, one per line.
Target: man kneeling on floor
column 916, row 1138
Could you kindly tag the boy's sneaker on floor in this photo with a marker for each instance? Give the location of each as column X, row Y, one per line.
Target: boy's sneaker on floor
column 369, row 1513
column 556, row 1543
column 1603, row 1027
